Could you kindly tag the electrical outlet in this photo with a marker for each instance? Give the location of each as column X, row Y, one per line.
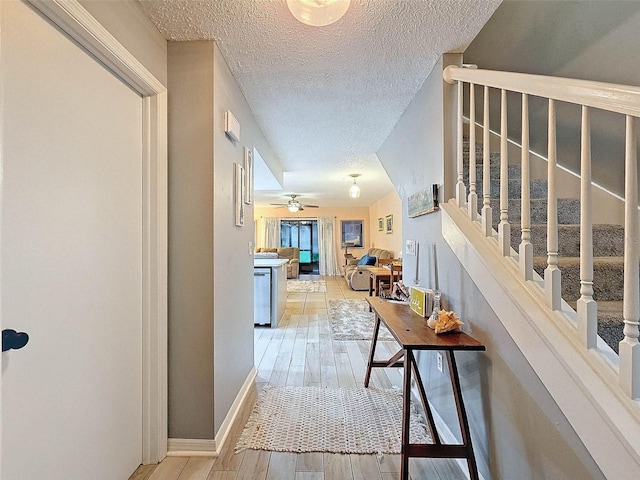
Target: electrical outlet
column 440, row 362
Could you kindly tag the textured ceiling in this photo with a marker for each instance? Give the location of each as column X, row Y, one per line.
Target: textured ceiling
column 327, row 97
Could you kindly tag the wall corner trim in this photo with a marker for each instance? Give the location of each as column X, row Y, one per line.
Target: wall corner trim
column 242, row 401
column 193, row 447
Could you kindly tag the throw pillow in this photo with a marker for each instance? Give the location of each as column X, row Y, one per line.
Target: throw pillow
column 364, row 259
column 371, row 260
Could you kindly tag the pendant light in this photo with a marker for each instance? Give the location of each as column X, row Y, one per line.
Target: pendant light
column 354, row 191
column 318, row 13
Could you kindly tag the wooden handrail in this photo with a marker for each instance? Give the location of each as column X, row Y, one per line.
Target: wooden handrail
column 622, row 99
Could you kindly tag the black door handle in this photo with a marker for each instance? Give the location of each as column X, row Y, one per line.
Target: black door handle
column 13, row 340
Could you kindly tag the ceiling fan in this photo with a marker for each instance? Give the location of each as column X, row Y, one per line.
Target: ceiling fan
column 294, row 205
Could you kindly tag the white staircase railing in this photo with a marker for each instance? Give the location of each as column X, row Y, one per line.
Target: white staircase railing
column 620, row 99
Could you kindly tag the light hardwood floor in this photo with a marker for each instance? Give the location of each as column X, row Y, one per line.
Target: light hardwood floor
column 301, row 352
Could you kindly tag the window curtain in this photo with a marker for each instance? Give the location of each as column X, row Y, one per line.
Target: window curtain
column 327, row 262
column 271, row 237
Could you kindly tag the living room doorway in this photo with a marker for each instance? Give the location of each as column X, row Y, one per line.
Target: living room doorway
column 302, row 234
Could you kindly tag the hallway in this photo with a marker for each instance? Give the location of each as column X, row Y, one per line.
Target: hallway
column 301, row 352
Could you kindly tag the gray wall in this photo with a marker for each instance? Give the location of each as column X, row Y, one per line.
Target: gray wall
column 191, row 245
column 589, row 40
column 210, row 258
column 518, row 430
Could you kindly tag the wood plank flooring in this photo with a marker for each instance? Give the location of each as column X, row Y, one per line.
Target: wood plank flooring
column 301, row 352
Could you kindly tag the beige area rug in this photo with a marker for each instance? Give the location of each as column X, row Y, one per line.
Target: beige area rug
column 352, row 320
column 335, row 420
column 306, row 286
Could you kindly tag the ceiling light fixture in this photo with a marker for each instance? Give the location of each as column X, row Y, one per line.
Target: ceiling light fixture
column 293, row 208
column 318, row 13
column 354, row 191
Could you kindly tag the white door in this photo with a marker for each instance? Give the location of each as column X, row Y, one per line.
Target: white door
column 71, row 258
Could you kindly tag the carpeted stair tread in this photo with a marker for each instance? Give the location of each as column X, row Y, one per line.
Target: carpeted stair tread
column 608, row 276
column 568, row 210
column 608, row 240
column 514, row 172
column 538, row 188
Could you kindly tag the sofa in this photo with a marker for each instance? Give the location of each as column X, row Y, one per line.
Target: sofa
column 357, row 276
column 290, row 253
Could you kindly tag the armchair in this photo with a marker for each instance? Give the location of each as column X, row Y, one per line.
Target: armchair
column 293, row 265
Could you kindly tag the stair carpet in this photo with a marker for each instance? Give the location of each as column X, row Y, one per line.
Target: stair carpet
column 608, row 242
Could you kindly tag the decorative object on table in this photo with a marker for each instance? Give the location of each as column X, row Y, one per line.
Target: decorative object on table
column 337, row 420
column 389, row 223
column 416, row 279
column 239, row 194
column 306, row 286
column 422, row 202
column 352, row 233
column 447, row 322
column 352, row 320
column 433, row 318
column 420, row 300
column 248, row 175
column 398, row 293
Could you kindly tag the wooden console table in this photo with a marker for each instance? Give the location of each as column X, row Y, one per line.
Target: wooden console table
column 411, row 332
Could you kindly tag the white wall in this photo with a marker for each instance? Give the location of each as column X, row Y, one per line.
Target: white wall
column 517, row 429
column 126, row 21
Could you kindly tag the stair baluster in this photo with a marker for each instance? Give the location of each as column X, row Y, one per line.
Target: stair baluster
column 552, row 275
column 629, row 347
column 473, row 196
column 461, row 189
column 504, row 229
column 587, row 308
column 526, row 247
column 487, row 211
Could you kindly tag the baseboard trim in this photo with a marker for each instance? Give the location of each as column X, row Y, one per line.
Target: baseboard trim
column 188, row 447
column 191, row 447
column 239, row 404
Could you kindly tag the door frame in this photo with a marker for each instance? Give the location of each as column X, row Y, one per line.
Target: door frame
column 82, row 27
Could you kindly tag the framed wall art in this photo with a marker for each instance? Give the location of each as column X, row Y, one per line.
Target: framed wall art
column 389, row 223
column 422, row 202
column 248, row 175
column 239, row 181
column 380, row 224
column 352, row 233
